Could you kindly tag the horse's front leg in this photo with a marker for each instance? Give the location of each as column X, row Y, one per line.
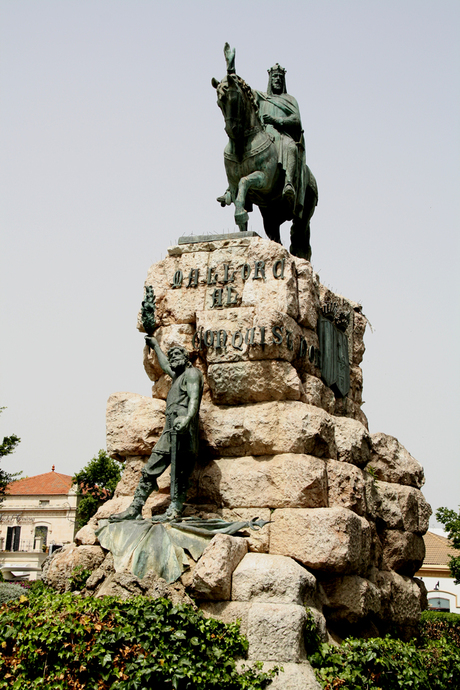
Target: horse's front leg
column 256, row 180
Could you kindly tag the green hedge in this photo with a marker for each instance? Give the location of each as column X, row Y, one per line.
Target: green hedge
column 436, row 625
column 50, row 640
column 387, row 664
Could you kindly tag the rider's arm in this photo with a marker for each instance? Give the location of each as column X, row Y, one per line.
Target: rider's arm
column 162, row 359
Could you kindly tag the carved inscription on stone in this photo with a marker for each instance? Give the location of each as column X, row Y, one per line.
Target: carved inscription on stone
column 223, row 294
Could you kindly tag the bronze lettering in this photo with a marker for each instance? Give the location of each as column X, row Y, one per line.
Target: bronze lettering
column 277, row 332
column 262, row 335
column 221, row 339
column 177, row 280
column 249, row 338
column 231, row 303
column 245, row 271
column 259, row 268
column 193, row 277
column 237, row 335
column 209, row 338
column 197, row 340
column 211, row 280
column 227, row 277
column 217, row 297
column 278, row 269
column 289, row 339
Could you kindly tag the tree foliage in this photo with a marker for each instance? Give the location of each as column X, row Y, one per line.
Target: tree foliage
column 97, row 482
column 451, row 521
column 6, row 447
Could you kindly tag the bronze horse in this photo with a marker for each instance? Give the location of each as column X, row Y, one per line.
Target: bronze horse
column 254, row 173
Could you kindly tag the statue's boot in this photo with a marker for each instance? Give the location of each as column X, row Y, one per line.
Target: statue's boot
column 174, row 511
column 177, row 502
column 289, row 195
column 134, row 511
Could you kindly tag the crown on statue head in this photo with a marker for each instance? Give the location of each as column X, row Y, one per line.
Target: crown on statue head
column 276, row 69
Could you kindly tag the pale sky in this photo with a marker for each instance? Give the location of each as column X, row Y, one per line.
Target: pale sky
column 111, row 149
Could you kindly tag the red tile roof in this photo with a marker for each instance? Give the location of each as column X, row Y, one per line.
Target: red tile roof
column 438, row 549
column 41, row 484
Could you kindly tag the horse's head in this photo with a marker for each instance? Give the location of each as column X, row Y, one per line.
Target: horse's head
column 236, row 100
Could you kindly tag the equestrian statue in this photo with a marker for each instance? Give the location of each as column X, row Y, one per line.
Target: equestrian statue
column 265, row 156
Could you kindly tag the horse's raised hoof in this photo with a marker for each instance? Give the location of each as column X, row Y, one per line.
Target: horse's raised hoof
column 225, row 199
column 241, row 219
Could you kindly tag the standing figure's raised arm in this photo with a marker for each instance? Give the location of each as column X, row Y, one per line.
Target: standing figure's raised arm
column 162, row 359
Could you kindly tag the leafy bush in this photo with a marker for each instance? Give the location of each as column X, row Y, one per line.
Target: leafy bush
column 51, row 640
column 78, row 577
column 437, row 625
column 9, row 591
column 387, row 664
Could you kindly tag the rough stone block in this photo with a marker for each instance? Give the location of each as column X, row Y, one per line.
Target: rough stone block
column 356, row 385
column 273, row 481
column 352, row 440
column 392, row 462
column 86, row 536
column 395, row 506
column 402, row 551
column 326, row 539
column 212, row 577
column 230, row 320
column 269, row 318
column 57, row 571
column 346, row 486
column 317, row 393
column 258, row 540
column 308, row 290
column 350, row 598
column 267, row 429
column 300, row 676
column 235, row 383
column 359, row 326
column 132, row 473
column 275, row 632
column 134, row 424
column 178, row 306
column 161, row 387
column 281, row 294
column 400, row 599
column 276, row 579
column 227, row 612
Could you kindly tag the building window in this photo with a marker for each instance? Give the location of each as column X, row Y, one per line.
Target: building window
column 41, row 533
column 439, row 604
column 13, row 536
column 44, row 502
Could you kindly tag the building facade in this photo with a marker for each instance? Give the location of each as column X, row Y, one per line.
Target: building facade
column 443, row 593
column 37, row 515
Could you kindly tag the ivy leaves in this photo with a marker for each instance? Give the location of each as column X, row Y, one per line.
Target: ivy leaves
column 55, row 640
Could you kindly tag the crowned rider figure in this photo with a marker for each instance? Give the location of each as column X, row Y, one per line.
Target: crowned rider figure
column 280, row 113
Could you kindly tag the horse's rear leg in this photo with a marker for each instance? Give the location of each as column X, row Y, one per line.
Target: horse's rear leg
column 300, row 239
column 271, row 224
column 255, row 180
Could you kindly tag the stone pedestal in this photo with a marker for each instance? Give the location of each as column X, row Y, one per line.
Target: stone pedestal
column 283, row 437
